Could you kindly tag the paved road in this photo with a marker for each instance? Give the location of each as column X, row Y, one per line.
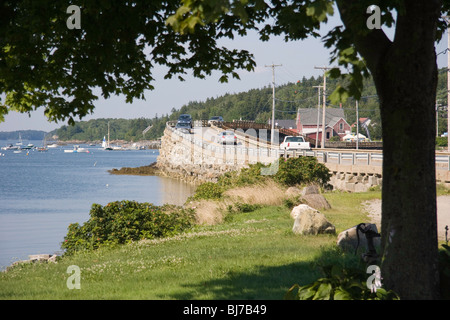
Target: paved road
column 443, row 204
column 443, row 212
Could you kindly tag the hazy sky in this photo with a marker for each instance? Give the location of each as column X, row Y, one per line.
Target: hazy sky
column 297, row 59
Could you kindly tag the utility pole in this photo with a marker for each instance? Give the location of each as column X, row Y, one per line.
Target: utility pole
column 272, row 130
column 357, row 125
column 318, row 115
column 325, row 69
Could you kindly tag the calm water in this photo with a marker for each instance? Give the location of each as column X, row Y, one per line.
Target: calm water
column 43, row 192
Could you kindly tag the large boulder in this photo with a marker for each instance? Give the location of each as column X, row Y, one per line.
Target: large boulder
column 316, row 201
column 348, row 239
column 310, row 189
column 309, row 221
column 298, row 210
column 293, row 191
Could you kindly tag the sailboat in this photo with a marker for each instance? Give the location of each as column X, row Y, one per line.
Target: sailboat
column 44, row 147
column 20, row 141
column 105, row 145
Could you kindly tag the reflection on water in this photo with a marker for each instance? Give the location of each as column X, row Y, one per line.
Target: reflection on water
column 175, row 191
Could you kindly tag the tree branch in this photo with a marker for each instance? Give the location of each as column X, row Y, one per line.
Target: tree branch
column 371, row 44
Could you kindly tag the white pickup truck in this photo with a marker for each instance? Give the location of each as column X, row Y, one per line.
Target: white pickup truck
column 294, row 143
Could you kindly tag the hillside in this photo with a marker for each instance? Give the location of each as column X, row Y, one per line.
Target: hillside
column 255, row 104
column 24, row 134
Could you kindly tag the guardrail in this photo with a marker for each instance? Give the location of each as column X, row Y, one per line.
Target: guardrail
column 330, row 156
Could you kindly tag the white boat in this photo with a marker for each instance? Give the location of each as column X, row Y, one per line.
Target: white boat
column 77, row 149
column 54, row 145
column 11, row 147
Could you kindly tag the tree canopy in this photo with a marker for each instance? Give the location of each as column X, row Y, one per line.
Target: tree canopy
column 45, row 64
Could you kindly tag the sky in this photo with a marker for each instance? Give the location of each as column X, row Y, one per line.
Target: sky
column 297, row 59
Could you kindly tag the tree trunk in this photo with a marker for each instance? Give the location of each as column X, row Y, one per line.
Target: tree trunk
column 405, row 75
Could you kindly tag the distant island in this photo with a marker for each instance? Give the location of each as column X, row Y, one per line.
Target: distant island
column 23, row 134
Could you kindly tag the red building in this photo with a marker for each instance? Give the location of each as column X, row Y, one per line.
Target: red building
column 335, row 124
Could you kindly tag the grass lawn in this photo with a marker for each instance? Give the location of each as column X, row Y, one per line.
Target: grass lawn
column 251, row 255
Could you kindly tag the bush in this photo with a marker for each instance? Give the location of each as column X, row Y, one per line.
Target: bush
column 339, row 284
column 246, row 207
column 208, row 190
column 441, row 141
column 292, row 171
column 123, row 221
column 246, row 176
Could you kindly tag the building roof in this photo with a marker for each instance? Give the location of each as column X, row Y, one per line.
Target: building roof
column 308, row 116
column 287, row 124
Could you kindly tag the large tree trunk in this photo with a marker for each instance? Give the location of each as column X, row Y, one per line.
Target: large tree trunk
column 405, row 75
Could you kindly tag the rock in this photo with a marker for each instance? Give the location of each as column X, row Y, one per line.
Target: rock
column 348, row 239
column 298, row 210
column 316, row 201
column 311, row 189
column 39, row 257
column 293, row 191
column 53, row 258
column 311, row 221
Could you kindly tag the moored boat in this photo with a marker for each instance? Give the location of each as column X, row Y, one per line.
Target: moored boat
column 77, row 149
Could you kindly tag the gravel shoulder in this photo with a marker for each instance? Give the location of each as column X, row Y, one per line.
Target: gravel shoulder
column 373, row 209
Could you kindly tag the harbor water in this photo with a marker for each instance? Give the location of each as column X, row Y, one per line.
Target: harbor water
column 41, row 193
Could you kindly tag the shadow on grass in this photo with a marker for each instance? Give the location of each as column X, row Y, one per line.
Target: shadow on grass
column 262, row 282
column 265, row 282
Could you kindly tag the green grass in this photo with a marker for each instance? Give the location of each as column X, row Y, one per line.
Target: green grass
column 253, row 255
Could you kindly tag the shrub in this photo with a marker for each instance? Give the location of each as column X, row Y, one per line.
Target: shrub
column 441, row 141
column 208, row 190
column 292, row 171
column 123, row 221
column 339, row 284
column 245, row 176
column 246, row 207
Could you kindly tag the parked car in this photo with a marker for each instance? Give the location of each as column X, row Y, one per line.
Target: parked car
column 215, row 119
column 184, row 127
column 185, row 118
column 227, row 137
column 294, row 143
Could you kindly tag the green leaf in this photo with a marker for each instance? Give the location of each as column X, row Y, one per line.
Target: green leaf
column 341, row 294
column 339, row 95
column 323, row 292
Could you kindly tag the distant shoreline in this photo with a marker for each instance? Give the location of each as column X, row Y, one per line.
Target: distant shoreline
column 150, row 170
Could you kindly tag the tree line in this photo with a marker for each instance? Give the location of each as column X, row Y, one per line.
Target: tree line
column 22, row 134
column 255, row 104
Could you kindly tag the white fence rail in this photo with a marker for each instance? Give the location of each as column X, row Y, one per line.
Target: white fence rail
column 344, row 157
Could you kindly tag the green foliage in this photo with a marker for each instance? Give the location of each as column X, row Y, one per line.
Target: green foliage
column 208, row 190
column 116, row 61
column 342, row 277
column 239, row 207
column 120, row 129
column 123, row 221
column 441, row 141
column 339, row 284
column 246, row 207
column 444, row 271
column 292, row 171
column 246, row 176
